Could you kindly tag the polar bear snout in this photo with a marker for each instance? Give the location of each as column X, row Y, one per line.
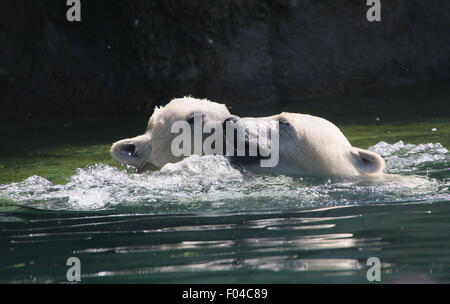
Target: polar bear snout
column 128, row 148
column 132, row 151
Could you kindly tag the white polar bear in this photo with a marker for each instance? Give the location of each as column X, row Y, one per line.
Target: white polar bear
column 308, row 145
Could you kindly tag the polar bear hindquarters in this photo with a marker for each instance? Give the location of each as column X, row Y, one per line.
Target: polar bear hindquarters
column 307, row 145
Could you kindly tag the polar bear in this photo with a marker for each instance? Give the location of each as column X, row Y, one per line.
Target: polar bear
column 307, row 145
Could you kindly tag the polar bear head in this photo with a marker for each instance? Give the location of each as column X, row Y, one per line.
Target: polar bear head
column 153, row 148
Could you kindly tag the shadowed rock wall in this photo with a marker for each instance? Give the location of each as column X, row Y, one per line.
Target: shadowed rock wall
column 131, row 55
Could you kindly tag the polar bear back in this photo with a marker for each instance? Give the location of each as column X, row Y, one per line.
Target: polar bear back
column 316, row 146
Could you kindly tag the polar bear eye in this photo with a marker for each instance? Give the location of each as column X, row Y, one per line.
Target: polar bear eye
column 284, row 123
column 191, row 117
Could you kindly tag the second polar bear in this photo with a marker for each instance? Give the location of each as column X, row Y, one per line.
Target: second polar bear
column 308, row 145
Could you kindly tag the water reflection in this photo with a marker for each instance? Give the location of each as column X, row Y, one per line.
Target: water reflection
column 330, row 241
column 302, row 245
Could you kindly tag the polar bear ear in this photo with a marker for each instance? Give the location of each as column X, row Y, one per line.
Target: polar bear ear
column 367, row 162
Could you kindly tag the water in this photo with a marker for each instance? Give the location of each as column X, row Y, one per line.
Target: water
column 211, row 184
column 203, row 221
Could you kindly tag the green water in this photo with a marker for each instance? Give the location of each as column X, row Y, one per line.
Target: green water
column 184, row 226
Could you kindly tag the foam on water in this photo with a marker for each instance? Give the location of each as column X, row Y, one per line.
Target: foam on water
column 404, row 158
column 210, row 183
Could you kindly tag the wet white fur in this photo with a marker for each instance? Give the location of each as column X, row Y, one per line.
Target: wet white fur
column 313, row 145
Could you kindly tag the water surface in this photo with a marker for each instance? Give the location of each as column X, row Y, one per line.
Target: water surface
column 203, row 221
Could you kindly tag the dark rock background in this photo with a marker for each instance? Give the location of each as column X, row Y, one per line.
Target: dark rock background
column 131, row 55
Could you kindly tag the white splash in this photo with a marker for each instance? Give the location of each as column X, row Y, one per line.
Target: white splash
column 403, row 158
column 210, row 183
